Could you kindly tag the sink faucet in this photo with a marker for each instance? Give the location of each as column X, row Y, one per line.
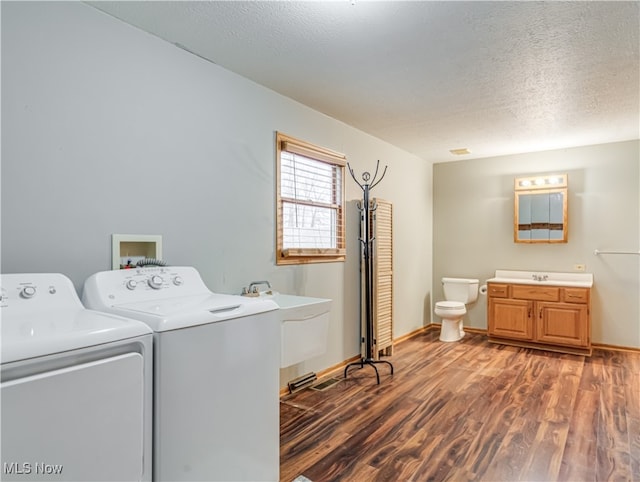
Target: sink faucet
column 252, row 290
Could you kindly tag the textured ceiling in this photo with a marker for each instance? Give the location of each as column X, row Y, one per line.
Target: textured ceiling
column 494, row 77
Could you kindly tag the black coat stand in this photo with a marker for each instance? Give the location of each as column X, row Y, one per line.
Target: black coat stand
column 366, row 241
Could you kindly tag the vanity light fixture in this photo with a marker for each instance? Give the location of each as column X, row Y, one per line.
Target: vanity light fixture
column 541, row 182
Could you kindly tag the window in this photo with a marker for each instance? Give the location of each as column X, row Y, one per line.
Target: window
column 310, row 203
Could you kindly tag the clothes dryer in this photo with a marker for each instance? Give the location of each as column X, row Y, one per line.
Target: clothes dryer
column 216, row 372
column 76, row 386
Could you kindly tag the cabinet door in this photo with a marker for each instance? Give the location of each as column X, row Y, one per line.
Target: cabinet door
column 562, row 324
column 510, row 318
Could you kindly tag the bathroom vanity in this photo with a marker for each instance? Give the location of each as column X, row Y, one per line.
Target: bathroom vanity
column 550, row 311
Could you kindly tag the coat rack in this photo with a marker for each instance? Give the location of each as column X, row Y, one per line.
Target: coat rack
column 366, row 241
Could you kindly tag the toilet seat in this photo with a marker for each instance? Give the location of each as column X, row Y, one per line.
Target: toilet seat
column 450, row 305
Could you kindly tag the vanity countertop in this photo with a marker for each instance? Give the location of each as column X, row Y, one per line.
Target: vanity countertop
column 545, row 278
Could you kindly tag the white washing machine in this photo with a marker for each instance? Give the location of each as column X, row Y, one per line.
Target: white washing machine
column 216, row 368
column 76, row 386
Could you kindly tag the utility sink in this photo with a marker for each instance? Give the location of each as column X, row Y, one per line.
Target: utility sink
column 293, row 306
column 550, row 278
column 304, row 326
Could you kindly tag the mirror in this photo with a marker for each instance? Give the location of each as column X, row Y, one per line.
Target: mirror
column 540, row 214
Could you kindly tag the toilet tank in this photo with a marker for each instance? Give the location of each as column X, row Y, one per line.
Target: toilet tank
column 460, row 289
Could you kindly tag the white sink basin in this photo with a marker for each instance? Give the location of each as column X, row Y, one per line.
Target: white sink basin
column 299, row 307
column 304, row 327
column 549, row 278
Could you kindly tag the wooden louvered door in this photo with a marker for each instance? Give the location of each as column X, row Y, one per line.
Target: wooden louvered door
column 382, row 232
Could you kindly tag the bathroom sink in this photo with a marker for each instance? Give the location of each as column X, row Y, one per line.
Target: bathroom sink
column 304, row 326
column 549, row 278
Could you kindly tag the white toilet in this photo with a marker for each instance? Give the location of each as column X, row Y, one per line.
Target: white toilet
column 458, row 292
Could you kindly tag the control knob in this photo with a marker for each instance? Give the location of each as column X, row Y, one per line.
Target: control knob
column 28, row 292
column 178, row 281
column 155, row 282
column 131, row 284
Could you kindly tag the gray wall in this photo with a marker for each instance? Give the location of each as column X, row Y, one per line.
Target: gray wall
column 107, row 129
column 473, row 228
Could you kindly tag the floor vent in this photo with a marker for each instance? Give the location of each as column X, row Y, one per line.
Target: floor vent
column 328, row 383
column 302, row 382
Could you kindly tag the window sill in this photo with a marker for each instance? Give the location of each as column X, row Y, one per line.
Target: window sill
column 317, row 255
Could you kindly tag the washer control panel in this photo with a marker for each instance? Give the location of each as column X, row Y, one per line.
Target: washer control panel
column 153, row 278
column 107, row 288
column 32, row 291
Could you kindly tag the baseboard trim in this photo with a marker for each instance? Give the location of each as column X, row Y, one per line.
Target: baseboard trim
column 326, row 372
column 337, row 366
column 436, row 326
column 605, row 347
column 413, row 333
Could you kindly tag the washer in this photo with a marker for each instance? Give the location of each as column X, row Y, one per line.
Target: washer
column 216, row 369
column 76, row 386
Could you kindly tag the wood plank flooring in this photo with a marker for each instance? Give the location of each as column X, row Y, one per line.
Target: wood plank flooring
column 467, row 411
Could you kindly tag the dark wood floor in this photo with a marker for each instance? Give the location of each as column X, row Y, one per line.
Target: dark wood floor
column 469, row 411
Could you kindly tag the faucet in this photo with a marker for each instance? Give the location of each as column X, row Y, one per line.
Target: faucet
column 252, row 290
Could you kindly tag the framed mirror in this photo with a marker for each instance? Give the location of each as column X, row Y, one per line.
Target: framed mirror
column 540, row 212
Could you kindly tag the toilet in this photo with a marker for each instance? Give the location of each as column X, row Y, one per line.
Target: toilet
column 458, row 292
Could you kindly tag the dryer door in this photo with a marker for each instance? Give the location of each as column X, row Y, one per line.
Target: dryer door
column 84, row 423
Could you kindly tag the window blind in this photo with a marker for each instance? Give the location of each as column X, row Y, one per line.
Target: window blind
column 310, row 201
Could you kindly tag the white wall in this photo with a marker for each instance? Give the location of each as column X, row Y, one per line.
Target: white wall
column 473, row 228
column 106, row 129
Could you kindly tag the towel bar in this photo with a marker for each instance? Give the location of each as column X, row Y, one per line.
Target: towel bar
column 598, row 251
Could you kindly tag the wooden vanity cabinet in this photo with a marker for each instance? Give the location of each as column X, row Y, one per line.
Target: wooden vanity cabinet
column 554, row 318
